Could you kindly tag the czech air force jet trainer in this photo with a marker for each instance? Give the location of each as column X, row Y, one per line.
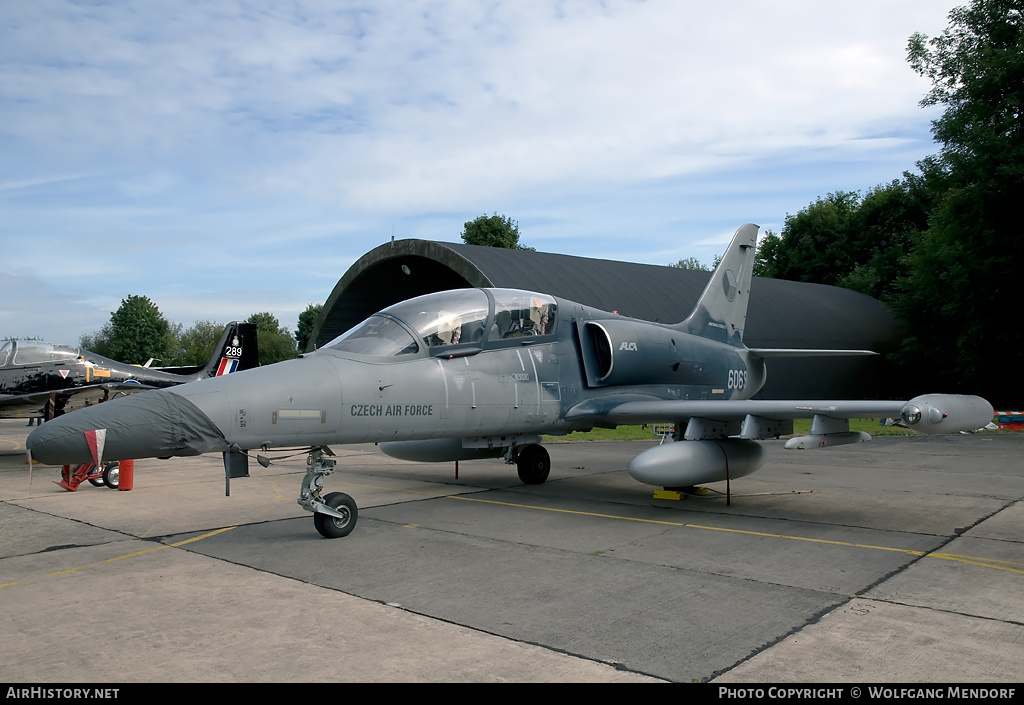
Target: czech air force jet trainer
column 472, row 373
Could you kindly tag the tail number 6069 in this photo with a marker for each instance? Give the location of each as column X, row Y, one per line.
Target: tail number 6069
column 737, row 379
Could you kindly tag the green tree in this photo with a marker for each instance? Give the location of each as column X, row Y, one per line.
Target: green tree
column 274, row 341
column 967, row 267
column 815, row 246
column 97, row 341
column 136, row 332
column 885, row 228
column 691, row 263
column 304, row 328
column 767, row 255
column 195, row 345
column 493, row 231
column 849, row 241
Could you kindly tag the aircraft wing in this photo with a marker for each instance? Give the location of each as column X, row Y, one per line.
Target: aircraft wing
column 756, row 419
column 32, row 405
column 606, row 411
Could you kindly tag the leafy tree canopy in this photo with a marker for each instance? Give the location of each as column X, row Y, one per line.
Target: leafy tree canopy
column 768, row 253
column 274, row 341
column 307, row 319
column 942, row 247
column 976, row 67
column 195, row 345
column 691, row 263
column 965, row 272
column 136, row 332
column 846, row 240
column 493, row 231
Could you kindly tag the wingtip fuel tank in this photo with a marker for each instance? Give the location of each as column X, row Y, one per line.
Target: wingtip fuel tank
column 946, row 413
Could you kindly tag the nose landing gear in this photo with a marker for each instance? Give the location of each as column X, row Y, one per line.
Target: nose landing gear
column 335, row 515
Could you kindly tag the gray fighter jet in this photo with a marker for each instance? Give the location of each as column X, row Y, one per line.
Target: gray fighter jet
column 474, row 373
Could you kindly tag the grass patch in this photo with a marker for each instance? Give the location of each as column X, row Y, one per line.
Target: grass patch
column 802, row 427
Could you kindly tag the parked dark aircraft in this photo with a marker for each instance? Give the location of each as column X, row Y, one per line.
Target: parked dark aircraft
column 473, row 373
column 45, row 380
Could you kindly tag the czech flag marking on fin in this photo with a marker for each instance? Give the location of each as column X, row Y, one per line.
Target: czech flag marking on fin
column 227, row 366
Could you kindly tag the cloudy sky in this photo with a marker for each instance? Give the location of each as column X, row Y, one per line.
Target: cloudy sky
column 225, row 157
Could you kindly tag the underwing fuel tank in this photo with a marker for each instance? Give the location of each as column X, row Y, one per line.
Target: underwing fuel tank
column 824, row 440
column 686, row 463
column 437, row 450
column 445, row 450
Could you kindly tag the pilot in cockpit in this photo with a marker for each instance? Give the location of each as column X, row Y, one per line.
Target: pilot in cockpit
column 449, row 329
column 535, row 320
column 540, row 314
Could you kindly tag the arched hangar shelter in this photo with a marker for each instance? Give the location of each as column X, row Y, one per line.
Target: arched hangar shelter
column 781, row 314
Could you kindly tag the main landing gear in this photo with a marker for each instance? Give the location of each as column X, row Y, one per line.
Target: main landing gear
column 533, row 464
column 335, row 515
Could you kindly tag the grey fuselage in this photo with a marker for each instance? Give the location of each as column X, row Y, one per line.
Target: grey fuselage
column 484, row 385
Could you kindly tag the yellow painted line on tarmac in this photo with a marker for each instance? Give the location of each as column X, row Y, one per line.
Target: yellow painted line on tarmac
column 131, row 555
column 404, row 489
column 200, row 538
column 567, row 511
column 995, row 564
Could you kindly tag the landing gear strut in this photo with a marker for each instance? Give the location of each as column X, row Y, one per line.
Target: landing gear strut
column 106, row 475
column 335, row 515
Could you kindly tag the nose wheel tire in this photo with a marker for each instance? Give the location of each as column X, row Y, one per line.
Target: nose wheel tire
column 111, row 475
column 533, row 464
column 332, row 527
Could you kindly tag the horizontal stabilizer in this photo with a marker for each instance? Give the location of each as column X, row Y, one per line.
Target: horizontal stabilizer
column 765, row 353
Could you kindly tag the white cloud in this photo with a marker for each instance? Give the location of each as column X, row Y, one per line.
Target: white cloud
column 160, row 143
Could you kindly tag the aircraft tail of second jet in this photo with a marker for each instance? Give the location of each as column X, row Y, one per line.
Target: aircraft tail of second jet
column 721, row 311
column 235, row 351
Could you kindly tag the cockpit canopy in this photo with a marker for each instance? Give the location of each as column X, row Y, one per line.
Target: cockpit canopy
column 458, row 317
column 30, row 352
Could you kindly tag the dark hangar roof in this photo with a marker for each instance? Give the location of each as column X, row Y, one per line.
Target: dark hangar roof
column 781, row 314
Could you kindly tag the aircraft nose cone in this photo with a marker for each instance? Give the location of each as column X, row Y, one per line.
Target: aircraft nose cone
column 151, row 424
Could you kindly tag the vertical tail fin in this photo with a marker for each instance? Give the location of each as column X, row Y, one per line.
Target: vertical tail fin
column 235, row 351
column 721, row 311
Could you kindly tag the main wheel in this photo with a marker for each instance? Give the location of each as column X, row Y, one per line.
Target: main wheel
column 533, row 464
column 331, row 527
column 111, row 474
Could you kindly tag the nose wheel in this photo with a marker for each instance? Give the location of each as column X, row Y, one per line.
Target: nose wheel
column 335, row 515
column 332, row 526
